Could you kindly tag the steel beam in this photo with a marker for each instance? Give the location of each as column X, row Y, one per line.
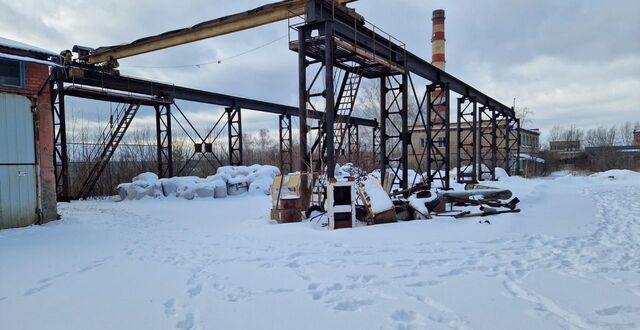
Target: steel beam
column 94, row 78
column 262, row 15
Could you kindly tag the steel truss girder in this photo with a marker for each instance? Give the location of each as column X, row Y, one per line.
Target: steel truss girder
column 488, row 147
column 467, row 133
column 234, row 124
column 438, row 134
column 163, row 140
column 94, row 78
column 394, row 137
column 286, row 143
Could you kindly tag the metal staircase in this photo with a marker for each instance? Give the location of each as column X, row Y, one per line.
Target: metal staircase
column 106, row 150
column 344, row 108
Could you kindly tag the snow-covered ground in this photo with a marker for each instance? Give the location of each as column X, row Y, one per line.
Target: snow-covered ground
column 570, row 260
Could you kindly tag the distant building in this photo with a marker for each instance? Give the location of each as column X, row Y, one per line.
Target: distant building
column 561, row 146
column 27, row 180
column 636, row 138
column 529, row 145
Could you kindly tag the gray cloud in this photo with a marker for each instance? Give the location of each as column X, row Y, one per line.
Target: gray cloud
column 570, row 61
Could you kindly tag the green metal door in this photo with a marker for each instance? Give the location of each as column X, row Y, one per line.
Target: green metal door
column 18, row 197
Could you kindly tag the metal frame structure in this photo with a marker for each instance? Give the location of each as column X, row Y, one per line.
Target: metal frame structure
column 467, row 133
column 333, row 40
column 285, row 142
column 487, row 146
column 163, row 140
column 86, row 82
column 234, row 123
column 438, row 135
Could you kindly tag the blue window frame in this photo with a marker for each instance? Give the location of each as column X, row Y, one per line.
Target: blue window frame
column 12, row 73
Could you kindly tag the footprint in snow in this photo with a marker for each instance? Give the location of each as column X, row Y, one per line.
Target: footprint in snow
column 196, row 290
column 52, row 277
column 352, row 305
column 615, row 310
column 188, row 323
column 403, row 315
column 170, row 308
column 37, row 289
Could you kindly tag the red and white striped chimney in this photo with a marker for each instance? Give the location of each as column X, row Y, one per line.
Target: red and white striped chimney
column 438, row 40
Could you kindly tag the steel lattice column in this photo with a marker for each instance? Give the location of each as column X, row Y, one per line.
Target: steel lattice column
column 487, row 148
column 329, row 96
column 60, row 154
column 502, row 143
column 512, row 140
column 438, row 133
column 375, row 146
column 234, row 125
column 286, row 143
column 394, row 137
column 353, row 144
column 163, row 141
column 466, row 149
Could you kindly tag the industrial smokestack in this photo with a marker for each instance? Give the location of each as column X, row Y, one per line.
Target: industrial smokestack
column 438, row 40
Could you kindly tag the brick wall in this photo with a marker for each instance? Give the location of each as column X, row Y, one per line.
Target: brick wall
column 36, row 78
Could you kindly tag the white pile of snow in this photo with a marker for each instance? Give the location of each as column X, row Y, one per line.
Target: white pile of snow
column 617, row 175
column 378, row 199
column 229, row 180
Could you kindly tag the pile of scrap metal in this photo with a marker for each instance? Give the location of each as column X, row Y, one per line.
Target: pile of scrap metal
column 364, row 201
column 426, row 203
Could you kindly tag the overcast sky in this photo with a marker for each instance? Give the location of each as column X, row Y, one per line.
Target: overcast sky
column 570, row 61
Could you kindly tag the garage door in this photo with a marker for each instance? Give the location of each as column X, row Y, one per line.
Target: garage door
column 17, row 163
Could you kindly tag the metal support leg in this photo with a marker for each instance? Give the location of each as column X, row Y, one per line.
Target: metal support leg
column 518, row 144
column 394, row 130
column 486, row 147
column 405, row 136
column 329, row 101
column 466, row 149
column 375, row 145
column 286, row 143
column 353, row 144
column 384, row 117
column 163, row 141
column 60, row 154
column 234, row 125
column 302, row 104
column 438, row 135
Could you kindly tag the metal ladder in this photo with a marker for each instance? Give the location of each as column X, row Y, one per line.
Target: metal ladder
column 344, row 108
column 124, row 119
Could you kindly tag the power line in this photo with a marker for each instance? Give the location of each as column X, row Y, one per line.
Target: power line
column 218, row 61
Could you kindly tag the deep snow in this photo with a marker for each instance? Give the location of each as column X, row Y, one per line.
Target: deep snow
column 570, row 260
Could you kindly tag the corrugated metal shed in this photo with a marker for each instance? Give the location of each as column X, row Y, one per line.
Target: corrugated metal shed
column 18, row 190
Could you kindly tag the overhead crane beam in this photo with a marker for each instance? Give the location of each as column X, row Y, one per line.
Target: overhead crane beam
column 262, row 15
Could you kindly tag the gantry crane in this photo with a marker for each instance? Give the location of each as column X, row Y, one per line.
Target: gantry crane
column 262, row 15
